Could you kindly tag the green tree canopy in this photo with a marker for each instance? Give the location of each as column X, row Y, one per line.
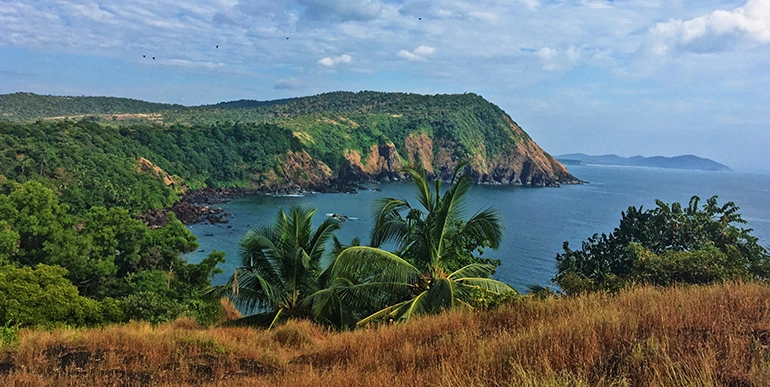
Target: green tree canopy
column 104, row 254
column 43, row 296
column 663, row 245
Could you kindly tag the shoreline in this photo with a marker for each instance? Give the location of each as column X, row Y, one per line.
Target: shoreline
column 196, row 206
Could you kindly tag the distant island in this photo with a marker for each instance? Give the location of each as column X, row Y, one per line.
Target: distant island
column 678, row 162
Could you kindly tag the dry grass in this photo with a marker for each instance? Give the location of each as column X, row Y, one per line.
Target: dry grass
column 699, row 336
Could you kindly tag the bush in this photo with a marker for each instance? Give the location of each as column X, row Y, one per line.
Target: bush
column 666, row 245
column 43, row 296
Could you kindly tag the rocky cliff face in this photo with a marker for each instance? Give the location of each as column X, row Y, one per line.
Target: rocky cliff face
column 298, row 171
column 525, row 163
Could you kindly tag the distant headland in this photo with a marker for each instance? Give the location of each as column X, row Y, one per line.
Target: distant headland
column 678, row 162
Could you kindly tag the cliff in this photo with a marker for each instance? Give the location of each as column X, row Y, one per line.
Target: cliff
column 325, row 142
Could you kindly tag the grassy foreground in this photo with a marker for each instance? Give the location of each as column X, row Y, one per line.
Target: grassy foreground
column 713, row 335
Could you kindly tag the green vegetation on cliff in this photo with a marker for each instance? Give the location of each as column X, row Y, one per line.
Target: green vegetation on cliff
column 337, row 130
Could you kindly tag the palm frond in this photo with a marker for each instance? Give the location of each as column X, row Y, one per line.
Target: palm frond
column 388, row 223
column 439, row 297
column 372, row 264
column 320, row 238
column 485, row 225
column 254, row 291
column 487, row 284
column 420, row 179
column 257, row 253
column 450, row 209
column 329, row 307
column 459, row 169
column 373, row 294
column 385, row 312
column 473, row 270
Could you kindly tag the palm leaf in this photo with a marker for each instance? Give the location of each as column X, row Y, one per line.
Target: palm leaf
column 473, row 270
column 372, row 264
column 487, row 284
column 420, row 179
column 485, row 225
column 388, row 225
column 320, row 238
column 383, row 313
column 257, row 252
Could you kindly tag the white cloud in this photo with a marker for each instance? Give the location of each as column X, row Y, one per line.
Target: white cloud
column 531, row 4
column 487, row 17
column 344, row 10
column 424, row 50
column 546, row 53
column 419, row 54
column 409, row 56
column 191, row 64
column 331, row 62
column 286, row 84
column 717, row 31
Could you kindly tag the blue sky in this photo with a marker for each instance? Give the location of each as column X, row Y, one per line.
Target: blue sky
column 649, row 77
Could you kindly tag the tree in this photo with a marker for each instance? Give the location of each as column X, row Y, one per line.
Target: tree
column 43, row 296
column 419, row 278
column 280, row 269
column 664, row 245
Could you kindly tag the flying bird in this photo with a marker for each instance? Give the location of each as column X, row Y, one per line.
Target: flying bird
column 153, row 58
column 217, row 46
column 144, row 56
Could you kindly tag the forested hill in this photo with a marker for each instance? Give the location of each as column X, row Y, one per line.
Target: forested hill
column 28, row 106
column 313, row 142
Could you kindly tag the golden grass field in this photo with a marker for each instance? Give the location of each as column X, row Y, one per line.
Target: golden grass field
column 695, row 336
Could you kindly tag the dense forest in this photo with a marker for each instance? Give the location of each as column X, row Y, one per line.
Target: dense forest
column 337, row 134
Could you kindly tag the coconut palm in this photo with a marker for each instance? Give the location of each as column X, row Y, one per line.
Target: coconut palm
column 280, row 268
column 419, row 278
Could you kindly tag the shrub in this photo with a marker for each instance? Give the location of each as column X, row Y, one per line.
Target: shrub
column 666, row 245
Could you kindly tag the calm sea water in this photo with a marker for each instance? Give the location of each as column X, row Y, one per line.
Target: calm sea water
column 537, row 220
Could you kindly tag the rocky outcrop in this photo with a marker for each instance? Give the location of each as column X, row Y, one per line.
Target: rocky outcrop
column 383, row 163
column 297, row 171
column 523, row 162
column 144, row 165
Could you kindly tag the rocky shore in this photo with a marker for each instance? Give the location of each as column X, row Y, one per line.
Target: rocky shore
column 200, row 206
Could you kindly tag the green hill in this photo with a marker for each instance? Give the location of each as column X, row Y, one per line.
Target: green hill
column 317, row 142
column 28, row 106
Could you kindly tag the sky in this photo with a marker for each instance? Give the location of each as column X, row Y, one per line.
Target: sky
column 629, row 77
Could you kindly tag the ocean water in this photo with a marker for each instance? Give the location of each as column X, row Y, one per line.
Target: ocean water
column 537, row 220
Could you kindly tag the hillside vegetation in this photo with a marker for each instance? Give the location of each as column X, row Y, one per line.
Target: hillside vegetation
column 715, row 335
column 319, row 141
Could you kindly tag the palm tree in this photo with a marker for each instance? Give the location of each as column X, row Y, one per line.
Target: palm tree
column 419, row 277
column 280, row 268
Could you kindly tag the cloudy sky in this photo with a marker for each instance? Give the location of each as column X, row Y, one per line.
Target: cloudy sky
column 650, row 77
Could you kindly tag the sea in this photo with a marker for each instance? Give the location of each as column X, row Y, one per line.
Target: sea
column 537, row 221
